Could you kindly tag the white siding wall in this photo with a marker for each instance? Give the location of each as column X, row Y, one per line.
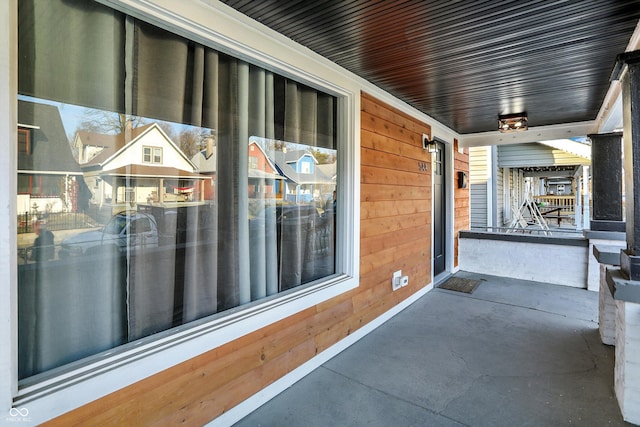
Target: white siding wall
column 534, row 154
column 507, row 195
column 517, row 187
column 500, row 197
column 479, row 171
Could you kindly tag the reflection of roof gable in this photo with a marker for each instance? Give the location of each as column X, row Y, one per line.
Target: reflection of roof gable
column 329, row 169
column 295, row 156
column 205, row 164
column 111, row 143
column 318, row 177
column 118, row 144
column 280, row 160
column 50, row 149
column 264, row 154
column 285, row 169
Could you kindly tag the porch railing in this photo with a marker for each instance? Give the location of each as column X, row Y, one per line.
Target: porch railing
column 565, row 203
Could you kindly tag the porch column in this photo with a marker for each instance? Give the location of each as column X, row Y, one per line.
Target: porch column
column 586, row 214
column 606, row 181
column 577, row 209
column 631, row 117
column 607, row 228
column 625, row 282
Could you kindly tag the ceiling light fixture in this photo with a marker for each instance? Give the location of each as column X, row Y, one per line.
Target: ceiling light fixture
column 512, row 122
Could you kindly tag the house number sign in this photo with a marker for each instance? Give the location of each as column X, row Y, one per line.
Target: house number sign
column 422, row 166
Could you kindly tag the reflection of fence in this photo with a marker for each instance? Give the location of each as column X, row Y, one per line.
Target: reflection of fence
column 54, row 221
column 322, row 237
column 565, row 203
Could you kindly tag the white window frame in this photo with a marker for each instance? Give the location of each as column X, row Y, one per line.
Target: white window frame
column 152, row 154
column 243, row 38
column 156, row 152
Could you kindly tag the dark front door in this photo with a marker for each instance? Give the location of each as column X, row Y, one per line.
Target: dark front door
column 439, row 215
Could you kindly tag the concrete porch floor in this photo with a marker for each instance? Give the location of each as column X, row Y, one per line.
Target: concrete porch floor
column 513, row 353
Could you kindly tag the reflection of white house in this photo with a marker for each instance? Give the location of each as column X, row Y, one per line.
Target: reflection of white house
column 141, row 165
column 502, row 176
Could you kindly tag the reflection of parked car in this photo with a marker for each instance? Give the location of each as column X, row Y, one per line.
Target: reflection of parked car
column 125, row 230
column 302, row 215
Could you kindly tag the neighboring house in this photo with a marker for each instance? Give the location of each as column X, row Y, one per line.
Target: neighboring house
column 49, row 179
column 205, row 162
column 502, row 176
column 140, row 165
column 305, row 181
column 330, row 170
column 262, row 171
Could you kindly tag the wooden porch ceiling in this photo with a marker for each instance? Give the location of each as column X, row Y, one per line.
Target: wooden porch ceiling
column 465, row 62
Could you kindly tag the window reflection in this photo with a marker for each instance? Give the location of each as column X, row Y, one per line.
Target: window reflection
column 117, row 237
column 171, row 189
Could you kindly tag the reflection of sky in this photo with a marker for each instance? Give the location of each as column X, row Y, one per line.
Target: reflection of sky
column 73, row 115
column 70, row 114
column 582, row 139
column 266, row 143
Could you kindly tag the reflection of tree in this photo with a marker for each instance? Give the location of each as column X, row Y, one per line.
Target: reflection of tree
column 108, row 122
column 277, row 146
column 191, row 140
column 168, row 129
column 322, row 157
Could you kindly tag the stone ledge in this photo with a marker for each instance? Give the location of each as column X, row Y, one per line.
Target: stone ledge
column 605, row 235
column 607, row 254
column 525, row 238
column 623, row 289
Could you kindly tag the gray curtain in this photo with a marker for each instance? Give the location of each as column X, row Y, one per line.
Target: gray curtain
column 86, row 54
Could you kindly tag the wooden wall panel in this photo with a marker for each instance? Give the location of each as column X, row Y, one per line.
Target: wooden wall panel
column 395, row 233
column 461, row 197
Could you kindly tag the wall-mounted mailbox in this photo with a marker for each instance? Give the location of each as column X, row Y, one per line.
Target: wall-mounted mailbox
column 462, row 179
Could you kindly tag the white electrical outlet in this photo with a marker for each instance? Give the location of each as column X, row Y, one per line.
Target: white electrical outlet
column 396, row 282
column 404, row 281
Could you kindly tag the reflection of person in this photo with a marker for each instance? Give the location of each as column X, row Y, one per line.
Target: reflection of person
column 330, row 206
column 43, row 249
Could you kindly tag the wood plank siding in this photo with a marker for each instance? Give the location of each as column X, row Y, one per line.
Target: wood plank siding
column 395, row 234
column 461, row 197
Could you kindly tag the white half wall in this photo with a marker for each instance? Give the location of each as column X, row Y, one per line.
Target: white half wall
column 541, row 259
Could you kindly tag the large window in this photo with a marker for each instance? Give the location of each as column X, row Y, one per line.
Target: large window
column 170, row 124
